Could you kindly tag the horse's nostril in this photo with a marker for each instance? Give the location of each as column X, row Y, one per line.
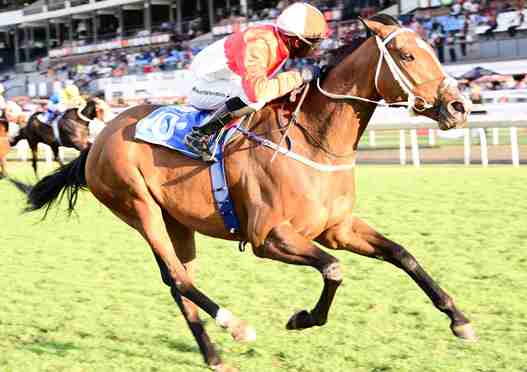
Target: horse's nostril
column 458, row 106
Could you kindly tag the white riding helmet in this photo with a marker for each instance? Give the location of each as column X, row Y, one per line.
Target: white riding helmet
column 304, row 21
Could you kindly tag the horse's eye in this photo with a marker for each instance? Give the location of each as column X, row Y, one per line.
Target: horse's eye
column 407, row 57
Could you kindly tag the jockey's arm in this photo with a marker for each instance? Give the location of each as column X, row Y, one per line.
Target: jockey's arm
column 257, row 86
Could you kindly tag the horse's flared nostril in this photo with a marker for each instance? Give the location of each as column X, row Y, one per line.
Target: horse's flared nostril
column 457, row 107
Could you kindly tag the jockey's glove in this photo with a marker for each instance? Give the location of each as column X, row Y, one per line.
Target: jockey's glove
column 310, row 73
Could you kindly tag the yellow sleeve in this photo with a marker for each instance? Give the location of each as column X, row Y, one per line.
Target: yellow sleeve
column 257, row 86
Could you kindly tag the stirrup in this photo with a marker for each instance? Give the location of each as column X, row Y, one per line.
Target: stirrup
column 198, row 142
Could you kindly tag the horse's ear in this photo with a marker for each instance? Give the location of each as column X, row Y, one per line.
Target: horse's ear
column 369, row 32
column 378, row 28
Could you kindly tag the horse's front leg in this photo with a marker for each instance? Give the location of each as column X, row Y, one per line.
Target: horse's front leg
column 356, row 236
column 190, row 313
column 285, row 245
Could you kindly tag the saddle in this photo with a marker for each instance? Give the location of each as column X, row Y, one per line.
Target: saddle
column 52, row 121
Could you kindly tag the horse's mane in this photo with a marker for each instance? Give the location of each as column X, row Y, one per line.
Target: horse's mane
column 336, row 56
column 385, row 19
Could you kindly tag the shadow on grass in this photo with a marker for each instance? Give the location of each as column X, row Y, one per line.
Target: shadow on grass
column 382, row 368
column 51, row 347
column 180, row 346
column 148, row 356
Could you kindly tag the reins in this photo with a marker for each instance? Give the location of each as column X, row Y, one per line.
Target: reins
column 293, row 119
column 402, row 80
column 279, row 149
column 398, row 75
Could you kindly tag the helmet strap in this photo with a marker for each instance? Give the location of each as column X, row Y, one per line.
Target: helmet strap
column 303, row 39
column 290, row 34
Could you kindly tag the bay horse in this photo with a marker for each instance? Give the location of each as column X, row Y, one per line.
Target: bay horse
column 284, row 206
column 73, row 129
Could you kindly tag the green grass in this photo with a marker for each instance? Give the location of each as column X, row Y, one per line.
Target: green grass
column 84, row 294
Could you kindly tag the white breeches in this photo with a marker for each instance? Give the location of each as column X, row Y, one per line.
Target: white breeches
column 210, row 95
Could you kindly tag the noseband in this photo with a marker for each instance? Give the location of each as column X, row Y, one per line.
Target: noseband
column 401, row 79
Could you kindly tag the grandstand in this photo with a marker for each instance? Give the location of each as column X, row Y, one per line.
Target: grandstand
column 59, row 28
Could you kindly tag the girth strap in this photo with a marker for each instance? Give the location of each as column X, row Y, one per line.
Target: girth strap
column 220, row 188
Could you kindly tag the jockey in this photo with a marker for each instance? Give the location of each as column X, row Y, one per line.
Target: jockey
column 67, row 98
column 239, row 74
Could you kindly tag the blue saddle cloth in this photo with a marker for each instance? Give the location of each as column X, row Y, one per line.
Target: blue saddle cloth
column 167, row 126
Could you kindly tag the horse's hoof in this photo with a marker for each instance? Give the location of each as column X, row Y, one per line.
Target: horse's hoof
column 465, row 331
column 300, row 320
column 242, row 332
column 223, row 368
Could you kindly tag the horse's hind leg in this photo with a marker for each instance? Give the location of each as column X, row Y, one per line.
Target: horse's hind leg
column 286, row 245
column 136, row 206
column 356, row 236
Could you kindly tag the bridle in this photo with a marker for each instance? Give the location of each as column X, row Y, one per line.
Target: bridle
column 81, row 115
column 403, row 81
column 400, row 77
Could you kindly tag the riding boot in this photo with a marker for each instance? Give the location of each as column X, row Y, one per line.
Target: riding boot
column 198, row 139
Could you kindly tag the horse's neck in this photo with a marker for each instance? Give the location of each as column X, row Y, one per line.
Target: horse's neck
column 338, row 123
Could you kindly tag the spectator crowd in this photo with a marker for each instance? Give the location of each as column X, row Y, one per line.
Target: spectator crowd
column 120, row 62
column 449, row 29
column 464, row 21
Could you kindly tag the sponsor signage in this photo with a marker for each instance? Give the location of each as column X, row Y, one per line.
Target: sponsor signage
column 108, row 45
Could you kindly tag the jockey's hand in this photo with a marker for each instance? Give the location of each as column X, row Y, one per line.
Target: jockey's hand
column 310, row 73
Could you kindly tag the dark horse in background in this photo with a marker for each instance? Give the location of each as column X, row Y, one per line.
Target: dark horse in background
column 73, row 128
column 284, row 206
column 4, row 146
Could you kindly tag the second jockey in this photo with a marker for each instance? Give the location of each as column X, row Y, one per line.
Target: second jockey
column 58, row 103
column 239, row 74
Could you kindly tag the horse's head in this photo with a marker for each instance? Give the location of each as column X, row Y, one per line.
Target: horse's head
column 408, row 69
column 93, row 109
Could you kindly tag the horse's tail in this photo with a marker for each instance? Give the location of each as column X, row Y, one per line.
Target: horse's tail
column 68, row 179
